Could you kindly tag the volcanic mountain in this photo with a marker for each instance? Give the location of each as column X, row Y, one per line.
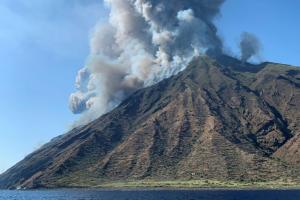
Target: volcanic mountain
column 219, row 119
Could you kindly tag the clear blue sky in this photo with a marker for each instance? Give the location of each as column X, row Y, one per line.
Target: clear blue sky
column 44, row 43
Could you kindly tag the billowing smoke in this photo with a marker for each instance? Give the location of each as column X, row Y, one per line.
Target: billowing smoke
column 249, row 46
column 143, row 42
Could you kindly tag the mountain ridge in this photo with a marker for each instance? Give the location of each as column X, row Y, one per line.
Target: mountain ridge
column 219, row 119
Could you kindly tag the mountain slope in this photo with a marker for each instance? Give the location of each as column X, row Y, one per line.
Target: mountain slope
column 218, row 119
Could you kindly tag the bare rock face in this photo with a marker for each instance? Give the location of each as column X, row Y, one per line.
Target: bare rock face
column 218, row 119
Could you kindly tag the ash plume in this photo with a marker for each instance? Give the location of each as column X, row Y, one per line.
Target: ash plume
column 143, row 42
column 249, row 45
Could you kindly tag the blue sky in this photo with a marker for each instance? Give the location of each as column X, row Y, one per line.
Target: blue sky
column 275, row 23
column 44, row 43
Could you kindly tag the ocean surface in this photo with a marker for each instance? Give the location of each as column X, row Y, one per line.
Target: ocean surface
column 151, row 195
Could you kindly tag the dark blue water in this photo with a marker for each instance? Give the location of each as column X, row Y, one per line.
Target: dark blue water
column 151, row 195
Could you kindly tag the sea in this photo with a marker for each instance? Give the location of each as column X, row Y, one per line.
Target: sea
column 154, row 194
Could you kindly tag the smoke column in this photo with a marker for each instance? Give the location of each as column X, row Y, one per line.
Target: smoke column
column 249, row 45
column 143, row 42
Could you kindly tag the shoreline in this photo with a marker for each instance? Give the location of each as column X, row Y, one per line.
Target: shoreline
column 155, row 189
column 149, row 185
column 202, row 184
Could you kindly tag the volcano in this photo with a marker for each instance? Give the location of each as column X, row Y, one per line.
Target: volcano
column 219, row 119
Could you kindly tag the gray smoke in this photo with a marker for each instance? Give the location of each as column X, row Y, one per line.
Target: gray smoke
column 143, row 42
column 249, row 46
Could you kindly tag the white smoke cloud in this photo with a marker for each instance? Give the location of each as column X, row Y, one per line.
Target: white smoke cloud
column 186, row 15
column 144, row 42
column 81, row 79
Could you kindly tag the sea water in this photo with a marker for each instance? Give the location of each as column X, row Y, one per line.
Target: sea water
column 164, row 194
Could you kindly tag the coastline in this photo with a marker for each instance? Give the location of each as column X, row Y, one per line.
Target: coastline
column 187, row 185
column 202, row 185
